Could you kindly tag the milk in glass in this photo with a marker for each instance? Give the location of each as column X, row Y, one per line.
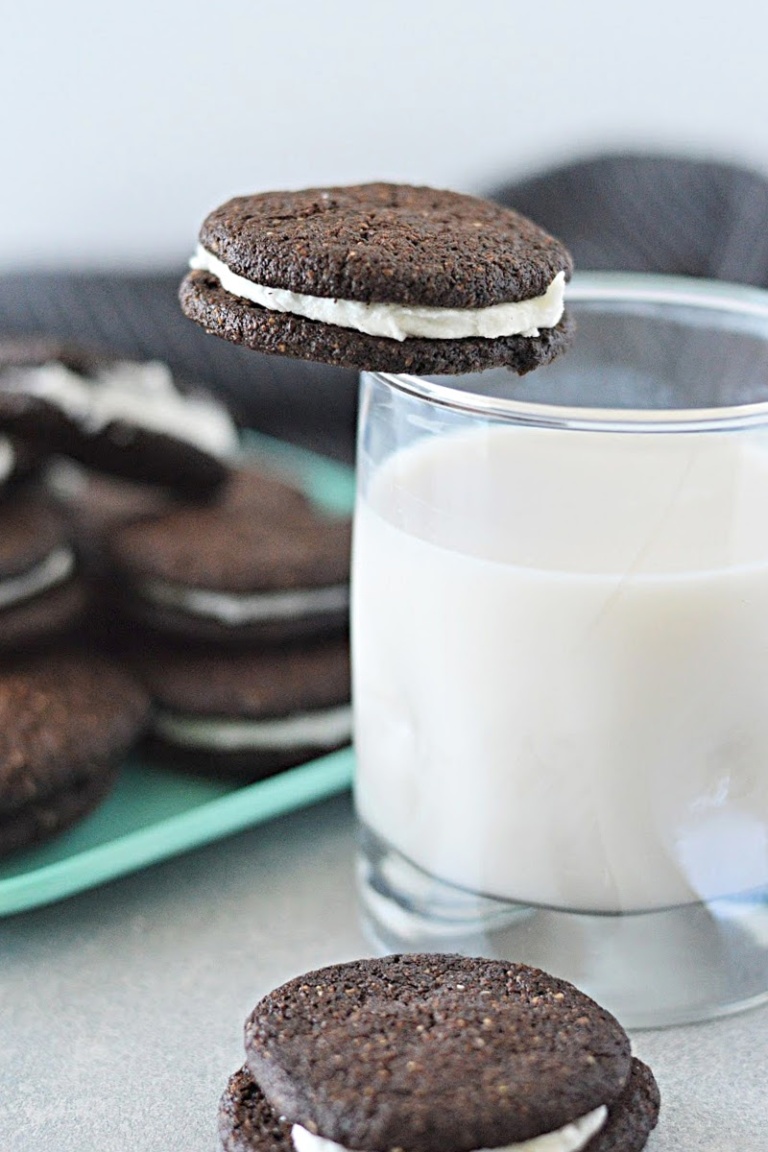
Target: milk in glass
column 560, row 648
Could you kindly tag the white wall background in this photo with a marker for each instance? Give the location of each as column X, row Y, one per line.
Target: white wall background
column 122, row 124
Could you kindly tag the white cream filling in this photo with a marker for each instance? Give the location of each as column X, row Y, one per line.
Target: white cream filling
column 233, row 608
column 304, row 729
column 56, row 567
column 571, row 1138
column 7, row 458
column 398, row 321
column 140, row 394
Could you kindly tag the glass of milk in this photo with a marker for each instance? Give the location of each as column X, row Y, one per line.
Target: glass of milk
column 560, row 654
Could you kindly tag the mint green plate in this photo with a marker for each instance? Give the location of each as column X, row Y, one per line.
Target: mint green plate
column 154, row 812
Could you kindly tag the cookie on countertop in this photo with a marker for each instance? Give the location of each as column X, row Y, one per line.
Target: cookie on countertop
column 41, row 591
column 129, row 419
column 259, row 563
column 246, row 713
column 385, row 277
column 67, row 719
column 435, row 1053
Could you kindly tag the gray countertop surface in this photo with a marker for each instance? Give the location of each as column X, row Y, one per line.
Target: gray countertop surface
column 121, row 1009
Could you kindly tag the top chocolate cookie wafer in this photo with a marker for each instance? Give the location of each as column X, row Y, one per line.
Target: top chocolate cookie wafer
column 381, row 277
column 439, row 1053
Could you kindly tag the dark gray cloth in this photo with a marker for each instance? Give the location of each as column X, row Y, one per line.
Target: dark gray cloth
column 644, row 213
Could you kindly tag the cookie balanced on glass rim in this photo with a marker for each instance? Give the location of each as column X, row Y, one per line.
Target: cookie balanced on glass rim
column 383, row 277
column 435, row 1053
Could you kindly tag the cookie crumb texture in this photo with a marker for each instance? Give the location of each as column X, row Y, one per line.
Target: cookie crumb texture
column 246, row 1121
column 632, row 1117
column 433, row 1053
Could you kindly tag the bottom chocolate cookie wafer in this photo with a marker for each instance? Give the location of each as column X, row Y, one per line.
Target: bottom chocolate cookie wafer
column 247, row 1123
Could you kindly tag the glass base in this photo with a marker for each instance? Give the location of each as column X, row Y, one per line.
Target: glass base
column 649, row 968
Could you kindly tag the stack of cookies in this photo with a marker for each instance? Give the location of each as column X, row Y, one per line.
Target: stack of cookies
column 152, row 586
column 435, row 1053
column 239, row 610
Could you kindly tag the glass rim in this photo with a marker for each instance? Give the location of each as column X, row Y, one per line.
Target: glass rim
column 613, row 289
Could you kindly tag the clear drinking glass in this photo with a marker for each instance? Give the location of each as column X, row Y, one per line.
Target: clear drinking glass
column 560, row 654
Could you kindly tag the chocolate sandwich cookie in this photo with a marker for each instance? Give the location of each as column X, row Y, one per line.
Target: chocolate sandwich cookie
column 384, row 277
column 436, row 1053
column 67, row 718
column 247, row 713
column 239, row 568
column 128, row 419
column 41, row 592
